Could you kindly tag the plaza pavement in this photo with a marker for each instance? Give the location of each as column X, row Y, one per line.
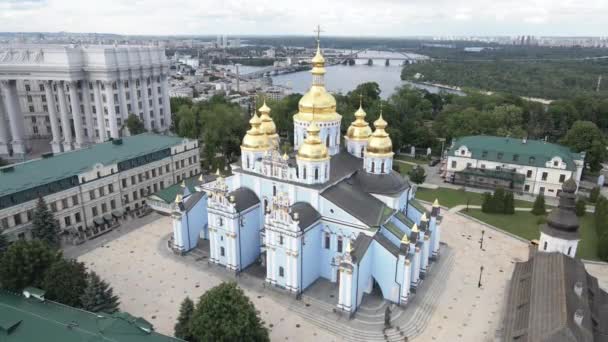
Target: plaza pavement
column 152, row 283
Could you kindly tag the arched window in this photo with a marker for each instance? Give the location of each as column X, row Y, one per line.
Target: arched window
column 304, row 173
column 362, row 151
column 327, row 141
column 265, row 205
column 274, row 190
column 545, row 246
column 316, row 173
column 569, row 250
column 373, row 167
column 281, row 271
column 247, row 162
column 298, row 172
column 382, row 167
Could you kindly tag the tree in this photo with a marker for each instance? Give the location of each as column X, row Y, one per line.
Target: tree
column 487, row 203
column 581, row 207
column 135, row 125
column 585, row 136
column 499, row 200
column 182, row 327
column 224, row 313
column 44, row 225
column 539, row 205
column 3, row 162
column 98, row 296
column 3, row 244
column 509, row 203
column 594, row 194
column 602, row 249
column 417, row 175
column 25, row 264
column 65, row 281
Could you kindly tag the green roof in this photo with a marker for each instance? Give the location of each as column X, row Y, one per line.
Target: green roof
column 27, row 320
column 168, row 194
column 514, row 151
column 418, row 206
column 18, row 177
column 391, row 227
column 404, row 219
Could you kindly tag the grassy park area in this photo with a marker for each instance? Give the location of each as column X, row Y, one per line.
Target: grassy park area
column 452, row 197
column 527, row 226
column 407, row 158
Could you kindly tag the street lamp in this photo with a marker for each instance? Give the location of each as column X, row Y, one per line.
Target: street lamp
column 480, row 273
column 481, row 241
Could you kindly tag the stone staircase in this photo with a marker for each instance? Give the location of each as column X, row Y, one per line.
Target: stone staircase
column 368, row 322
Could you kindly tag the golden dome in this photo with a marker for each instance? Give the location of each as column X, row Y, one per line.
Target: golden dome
column 268, row 126
column 255, row 139
column 380, row 144
column 313, row 148
column 317, row 96
column 359, row 129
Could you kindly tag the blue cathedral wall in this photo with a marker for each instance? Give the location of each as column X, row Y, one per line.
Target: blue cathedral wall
column 384, row 267
column 194, row 224
column 311, row 269
column 249, row 241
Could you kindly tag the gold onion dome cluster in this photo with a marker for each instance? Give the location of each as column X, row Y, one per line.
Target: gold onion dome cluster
column 359, row 129
column 255, row 139
column 268, row 126
column 313, row 148
column 317, row 96
column 380, row 143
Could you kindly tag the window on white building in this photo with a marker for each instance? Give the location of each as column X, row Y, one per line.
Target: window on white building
column 544, row 176
column 340, row 243
column 281, row 271
column 327, row 241
column 562, row 178
column 453, row 164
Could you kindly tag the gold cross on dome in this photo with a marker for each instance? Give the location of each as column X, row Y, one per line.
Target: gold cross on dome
column 360, row 100
column 318, row 32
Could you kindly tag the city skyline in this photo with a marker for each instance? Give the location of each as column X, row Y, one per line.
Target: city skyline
column 339, row 18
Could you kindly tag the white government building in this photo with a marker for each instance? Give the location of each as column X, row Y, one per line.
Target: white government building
column 42, row 86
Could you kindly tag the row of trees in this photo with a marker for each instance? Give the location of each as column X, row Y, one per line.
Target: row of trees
column 544, row 79
column 499, row 202
column 223, row 313
column 40, row 263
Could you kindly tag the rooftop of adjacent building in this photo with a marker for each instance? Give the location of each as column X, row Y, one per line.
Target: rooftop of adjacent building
column 37, row 172
column 36, row 319
column 515, row 151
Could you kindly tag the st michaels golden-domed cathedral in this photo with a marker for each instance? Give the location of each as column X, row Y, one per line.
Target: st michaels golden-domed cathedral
column 324, row 212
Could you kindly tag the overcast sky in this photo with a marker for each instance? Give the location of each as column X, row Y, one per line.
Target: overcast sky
column 337, row 17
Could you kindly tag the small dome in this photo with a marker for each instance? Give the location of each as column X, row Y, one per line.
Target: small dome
column 380, row 143
column 359, row 129
column 255, row 139
column 267, row 125
column 313, row 148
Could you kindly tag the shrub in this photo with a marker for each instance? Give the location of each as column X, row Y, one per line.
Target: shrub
column 594, row 194
column 581, row 207
column 539, row 205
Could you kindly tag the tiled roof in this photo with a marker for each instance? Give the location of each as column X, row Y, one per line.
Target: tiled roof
column 27, row 320
column 307, row 214
column 514, row 151
column 244, row 198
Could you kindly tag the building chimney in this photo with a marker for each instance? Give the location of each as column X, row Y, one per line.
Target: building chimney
column 578, row 317
column 578, row 288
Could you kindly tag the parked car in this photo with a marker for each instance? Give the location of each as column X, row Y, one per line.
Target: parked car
column 434, row 161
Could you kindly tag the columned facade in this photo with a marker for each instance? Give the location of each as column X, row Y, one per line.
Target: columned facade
column 75, row 96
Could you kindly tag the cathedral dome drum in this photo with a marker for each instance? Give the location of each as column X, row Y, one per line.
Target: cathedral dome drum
column 359, row 129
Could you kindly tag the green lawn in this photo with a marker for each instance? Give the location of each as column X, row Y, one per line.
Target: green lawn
column 404, row 169
column 410, row 159
column 451, row 197
column 526, row 225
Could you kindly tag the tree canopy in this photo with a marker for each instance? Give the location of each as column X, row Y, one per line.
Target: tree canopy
column 224, row 313
column 64, row 281
column 25, row 264
column 134, row 124
column 44, row 225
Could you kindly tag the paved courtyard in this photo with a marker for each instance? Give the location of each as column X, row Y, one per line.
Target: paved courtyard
column 152, row 282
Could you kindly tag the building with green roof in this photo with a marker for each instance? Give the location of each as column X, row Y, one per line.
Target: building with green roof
column 522, row 165
column 29, row 318
column 91, row 189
